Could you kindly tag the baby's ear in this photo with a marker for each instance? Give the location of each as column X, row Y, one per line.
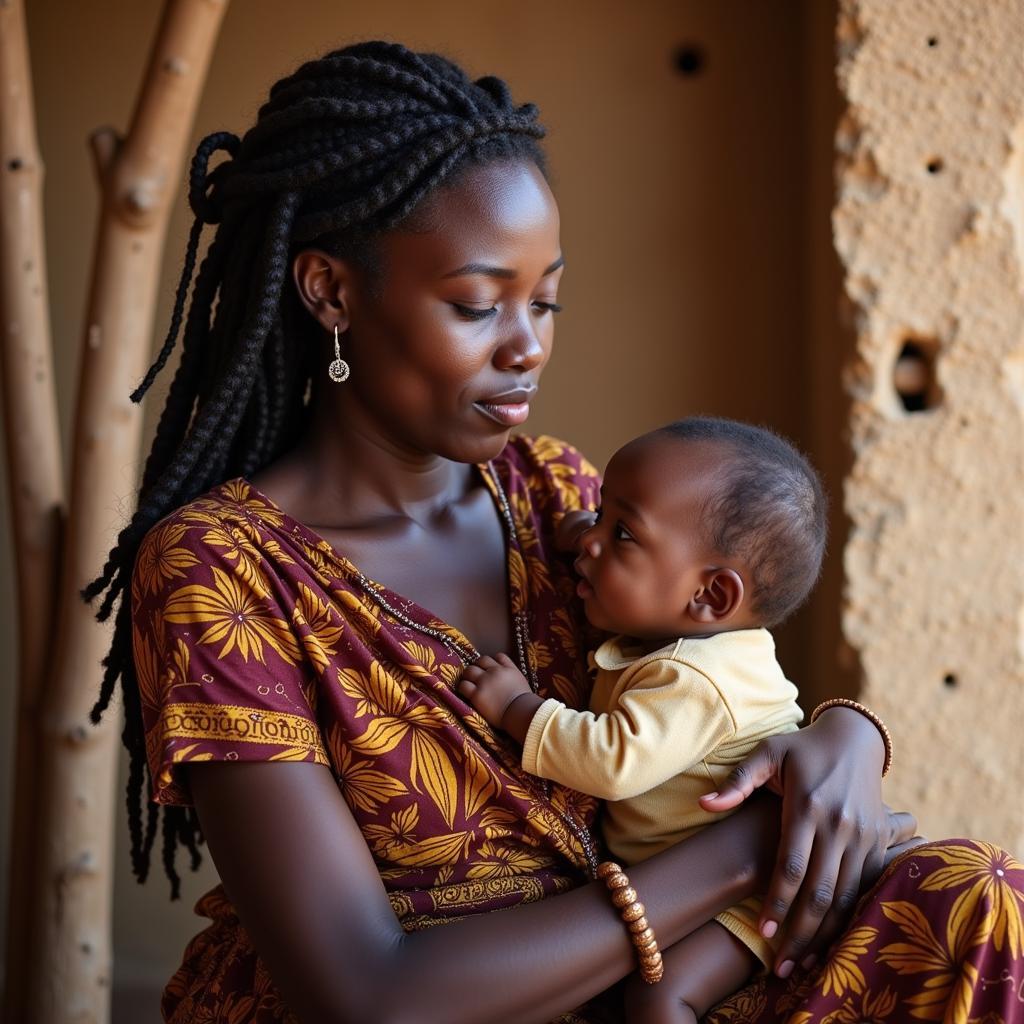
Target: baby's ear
column 719, row 598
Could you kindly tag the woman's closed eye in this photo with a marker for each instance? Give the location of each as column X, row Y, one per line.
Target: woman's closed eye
column 476, row 313
column 473, row 312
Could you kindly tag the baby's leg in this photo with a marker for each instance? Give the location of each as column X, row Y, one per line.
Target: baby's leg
column 700, row 970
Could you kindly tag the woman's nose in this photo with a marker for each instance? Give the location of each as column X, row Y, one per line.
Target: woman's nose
column 523, row 348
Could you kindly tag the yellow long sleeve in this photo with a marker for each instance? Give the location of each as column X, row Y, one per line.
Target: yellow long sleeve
column 671, row 716
column 662, row 729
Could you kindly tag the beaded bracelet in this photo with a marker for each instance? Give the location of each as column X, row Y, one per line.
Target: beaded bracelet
column 845, row 702
column 634, row 915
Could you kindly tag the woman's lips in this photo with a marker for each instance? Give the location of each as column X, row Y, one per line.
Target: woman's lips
column 508, row 408
column 507, row 414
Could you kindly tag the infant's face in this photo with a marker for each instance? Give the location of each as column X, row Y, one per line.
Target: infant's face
column 642, row 560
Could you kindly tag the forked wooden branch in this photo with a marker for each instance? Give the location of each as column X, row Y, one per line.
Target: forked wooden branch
column 68, row 973
column 34, row 475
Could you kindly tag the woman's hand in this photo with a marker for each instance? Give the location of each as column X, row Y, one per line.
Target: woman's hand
column 835, row 828
column 571, row 528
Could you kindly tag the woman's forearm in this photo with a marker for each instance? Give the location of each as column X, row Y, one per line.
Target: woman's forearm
column 856, row 734
column 307, row 890
column 557, row 953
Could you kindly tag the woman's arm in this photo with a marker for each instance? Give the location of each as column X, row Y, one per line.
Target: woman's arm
column 304, row 883
column 835, row 827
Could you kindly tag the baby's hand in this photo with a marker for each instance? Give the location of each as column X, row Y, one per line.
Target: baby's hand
column 491, row 684
column 571, row 529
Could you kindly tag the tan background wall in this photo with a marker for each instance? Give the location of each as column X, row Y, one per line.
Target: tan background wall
column 695, row 224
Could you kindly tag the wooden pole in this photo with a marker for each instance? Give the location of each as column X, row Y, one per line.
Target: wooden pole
column 35, row 478
column 140, row 175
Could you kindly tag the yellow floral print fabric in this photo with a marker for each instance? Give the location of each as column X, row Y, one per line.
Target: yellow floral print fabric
column 256, row 640
column 940, row 939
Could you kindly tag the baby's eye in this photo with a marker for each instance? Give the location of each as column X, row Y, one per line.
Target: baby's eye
column 621, row 533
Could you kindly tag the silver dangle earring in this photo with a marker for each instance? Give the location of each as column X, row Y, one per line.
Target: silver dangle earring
column 339, row 370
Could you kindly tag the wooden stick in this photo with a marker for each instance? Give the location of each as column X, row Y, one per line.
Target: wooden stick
column 33, row 458
column 140, row 176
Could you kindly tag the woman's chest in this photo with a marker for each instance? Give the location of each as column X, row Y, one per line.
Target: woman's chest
column 456, row 568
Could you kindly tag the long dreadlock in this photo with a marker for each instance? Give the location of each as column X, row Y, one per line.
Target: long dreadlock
column 344, row 149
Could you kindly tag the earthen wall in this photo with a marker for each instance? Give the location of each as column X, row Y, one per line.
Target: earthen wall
column 929, row 227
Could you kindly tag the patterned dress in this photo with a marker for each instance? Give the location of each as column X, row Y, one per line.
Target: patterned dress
column 256, row 640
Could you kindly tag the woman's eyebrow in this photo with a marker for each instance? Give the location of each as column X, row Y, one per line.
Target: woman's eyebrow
column 505, row 273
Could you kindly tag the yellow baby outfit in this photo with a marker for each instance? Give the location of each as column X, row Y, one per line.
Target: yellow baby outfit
column 663, row 729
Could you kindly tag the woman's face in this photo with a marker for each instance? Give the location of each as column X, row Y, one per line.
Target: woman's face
column 447, row 342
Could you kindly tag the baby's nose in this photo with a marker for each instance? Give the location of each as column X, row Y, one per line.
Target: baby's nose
column 591, row 543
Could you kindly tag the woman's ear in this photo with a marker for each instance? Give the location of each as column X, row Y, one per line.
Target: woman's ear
column 324, row 284
column 719, row 597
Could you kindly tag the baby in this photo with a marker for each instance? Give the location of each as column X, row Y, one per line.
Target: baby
column 709, row 532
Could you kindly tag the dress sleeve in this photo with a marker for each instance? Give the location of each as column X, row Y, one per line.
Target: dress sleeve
column 219, row 664
column 669, row 719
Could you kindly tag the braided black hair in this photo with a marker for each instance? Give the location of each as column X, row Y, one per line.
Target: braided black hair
column 344, row 149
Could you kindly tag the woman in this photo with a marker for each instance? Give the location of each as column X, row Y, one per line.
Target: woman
column 368, row 325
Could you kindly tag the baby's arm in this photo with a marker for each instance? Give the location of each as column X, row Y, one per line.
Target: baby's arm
column 500, row 692
column 669, row 718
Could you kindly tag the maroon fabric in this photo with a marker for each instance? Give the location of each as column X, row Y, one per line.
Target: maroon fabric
column 941, row 938
column 255, row 640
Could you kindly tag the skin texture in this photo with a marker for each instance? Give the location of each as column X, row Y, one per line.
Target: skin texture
column 384, row 475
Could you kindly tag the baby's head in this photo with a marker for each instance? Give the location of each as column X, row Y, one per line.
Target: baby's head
column 706, row 525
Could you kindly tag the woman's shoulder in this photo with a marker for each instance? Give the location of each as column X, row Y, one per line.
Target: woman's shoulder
column 231, row 526
column 227, row 506
column 223, row 504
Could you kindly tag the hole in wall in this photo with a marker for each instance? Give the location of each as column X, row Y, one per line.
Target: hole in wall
column 949, row 680
column 914, row 375
column 689, row 59
column 934, row 166
column 933, row 41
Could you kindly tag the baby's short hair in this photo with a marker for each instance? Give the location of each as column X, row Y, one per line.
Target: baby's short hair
column 769, row 510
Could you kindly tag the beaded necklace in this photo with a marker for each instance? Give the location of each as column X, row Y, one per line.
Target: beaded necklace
column 467, row 654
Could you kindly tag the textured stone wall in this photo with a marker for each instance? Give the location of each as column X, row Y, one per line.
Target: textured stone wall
column 929, row 226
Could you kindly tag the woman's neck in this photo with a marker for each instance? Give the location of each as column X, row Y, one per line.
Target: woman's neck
column 345, row 472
